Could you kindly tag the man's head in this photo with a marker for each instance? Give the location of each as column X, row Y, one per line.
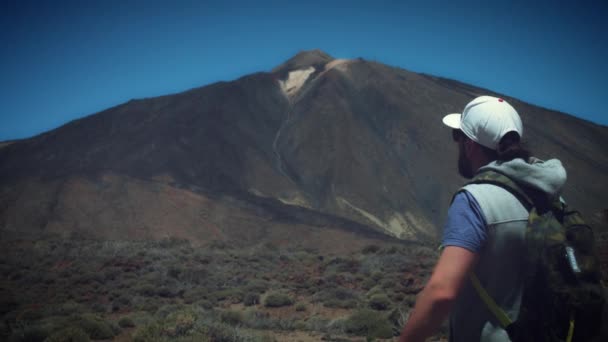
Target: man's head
column 486, row 120
column 488, row 129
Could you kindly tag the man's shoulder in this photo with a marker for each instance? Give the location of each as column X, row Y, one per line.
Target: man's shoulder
column 497, row 204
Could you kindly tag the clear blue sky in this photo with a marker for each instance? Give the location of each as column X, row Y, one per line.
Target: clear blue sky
column 61, row 60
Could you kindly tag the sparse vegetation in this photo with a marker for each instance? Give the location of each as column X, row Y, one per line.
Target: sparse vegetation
column 368, row 323
column 379, row 302
column 73, row 289
column 275, row 300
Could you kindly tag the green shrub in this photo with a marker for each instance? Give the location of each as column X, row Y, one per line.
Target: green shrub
column 231, row 317
column 31, row 315
column 398, row 317
column 300, row 307
column 166, row 310
column 388, row 283
column 368, row 323
column 96, row 327
column 151, row 332
column 126, row 322
column 342, row 304
column 147, row 290
column 69, row 334
column 195, row 294
column 251, row 299
column 175, row 271
column 121, row 302
column 257, row 286
column 275, row 300
column 179, row 323
column 375, row 291
column 233, row 295
column 337, row 297
column 368, row 283
column 379, row 302
column 166, row 292
column 220, row 332
column 33, row 333
column 390, row 250
column 205, row 304
column 317, row 323
column 369, row 249
column 258, row 320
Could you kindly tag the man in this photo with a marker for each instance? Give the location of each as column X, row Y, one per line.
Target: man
column 485, row 229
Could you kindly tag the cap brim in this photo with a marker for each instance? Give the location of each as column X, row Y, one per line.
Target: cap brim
column 452, row 120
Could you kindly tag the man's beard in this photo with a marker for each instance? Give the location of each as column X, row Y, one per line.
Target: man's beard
column 464, row 165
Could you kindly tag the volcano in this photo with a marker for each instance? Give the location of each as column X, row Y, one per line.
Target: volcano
column 316, row 149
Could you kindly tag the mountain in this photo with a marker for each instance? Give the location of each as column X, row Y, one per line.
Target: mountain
column 321, row 150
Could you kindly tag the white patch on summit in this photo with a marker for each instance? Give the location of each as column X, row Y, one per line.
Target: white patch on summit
column 295, row 80
column 340, row 64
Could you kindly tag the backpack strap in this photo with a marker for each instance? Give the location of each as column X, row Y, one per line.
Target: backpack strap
column 501, row 180
column 526, row 197
column 498, row 312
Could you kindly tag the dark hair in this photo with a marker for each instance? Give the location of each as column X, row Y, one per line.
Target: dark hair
column 509, row 148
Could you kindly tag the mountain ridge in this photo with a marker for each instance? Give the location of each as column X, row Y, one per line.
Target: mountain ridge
column 351, row 139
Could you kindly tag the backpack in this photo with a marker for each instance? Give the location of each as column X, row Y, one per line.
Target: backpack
column 563, row 296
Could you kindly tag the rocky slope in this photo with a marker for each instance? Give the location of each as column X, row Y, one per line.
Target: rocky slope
column 316, row 145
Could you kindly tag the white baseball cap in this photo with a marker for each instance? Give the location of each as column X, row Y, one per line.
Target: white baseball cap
column 486, row 120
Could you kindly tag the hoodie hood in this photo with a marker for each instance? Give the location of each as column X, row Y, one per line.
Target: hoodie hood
column 547, row 176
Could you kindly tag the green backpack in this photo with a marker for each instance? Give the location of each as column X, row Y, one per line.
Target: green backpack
column 563, row 296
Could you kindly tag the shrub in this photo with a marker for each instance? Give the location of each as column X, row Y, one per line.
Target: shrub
column 398, row 317
column 275, row 300
column 376, row 276
column 233, row 295
column 179, row 323
column 205, row 304
column 147, row 290
column 166, row 292
column 30, row 333
column 257, row 286
column 368, row 323
column 370, row 249
column 121, row 302
column 220, row 332
column 96, row 327
column 174, row 271
column 126, row 322
column 337, row 297
column 343, row 304
column 31, row 315
column 317, row 323
column 379, row 302
column 368, row 283
column 195, row 294
column 231, row 317
column 300, row 307
column 149, row 333
column 251, row 299
column 69, row 334
column 258, row 320
column 388, row 283
column 167, row 310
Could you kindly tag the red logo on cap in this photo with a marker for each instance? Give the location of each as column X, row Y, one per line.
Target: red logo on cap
column 500, row 100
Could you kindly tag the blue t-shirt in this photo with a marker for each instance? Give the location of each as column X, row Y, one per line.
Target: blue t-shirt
column 465, row 226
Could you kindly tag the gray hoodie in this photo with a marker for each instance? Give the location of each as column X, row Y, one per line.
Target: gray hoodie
column 547, row 176
column 501, row 262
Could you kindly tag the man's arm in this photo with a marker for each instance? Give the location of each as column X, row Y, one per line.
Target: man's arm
column 436, row 299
